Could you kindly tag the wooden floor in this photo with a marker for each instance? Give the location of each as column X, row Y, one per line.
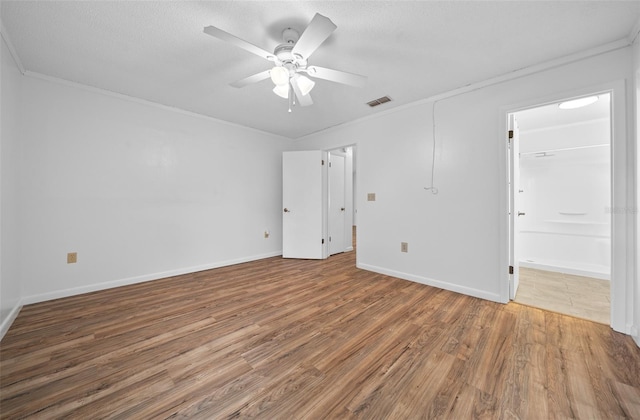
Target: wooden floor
column 309, row 339
column 583, row 297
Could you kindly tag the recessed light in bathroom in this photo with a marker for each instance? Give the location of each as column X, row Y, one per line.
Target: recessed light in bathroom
column 578, row 103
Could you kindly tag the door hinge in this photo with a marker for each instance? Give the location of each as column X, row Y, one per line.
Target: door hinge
column 323, row 240
column 329, row 238
column 510, row 269
column 322, row 162
column 329, row 164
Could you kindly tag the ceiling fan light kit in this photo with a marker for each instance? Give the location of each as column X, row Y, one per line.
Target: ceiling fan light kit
column 290, row 59
column 304, row 83
column 279, row 76
column 282, row 90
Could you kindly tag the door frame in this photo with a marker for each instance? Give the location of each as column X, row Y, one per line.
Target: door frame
column 334, row 176
column 351, row 189
column 513, row 145
column 622, row 197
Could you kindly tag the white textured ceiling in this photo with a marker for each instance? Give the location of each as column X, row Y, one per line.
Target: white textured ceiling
column 410, row 50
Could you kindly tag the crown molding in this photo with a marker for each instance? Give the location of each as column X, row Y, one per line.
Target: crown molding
column 12, row 50
column 516, row 74
column 633, row 34
column 121, row 96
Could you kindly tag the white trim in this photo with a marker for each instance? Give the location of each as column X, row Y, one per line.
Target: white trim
column 633, row 34
column 6, row 324
column 432, row 282
column 621, row 224
column 140, row 279
column 12, row 50
column 134, row 99
column 516, row 74
column 633, row 331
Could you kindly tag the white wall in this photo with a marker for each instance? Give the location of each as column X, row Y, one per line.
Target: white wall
column 457, row 237
column 636, row 206
column 10, row 85
column 138, row 191
column 141, row 192
column 566, row 199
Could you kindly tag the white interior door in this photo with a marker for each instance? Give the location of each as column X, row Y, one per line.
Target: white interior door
column 337, row 210
column 304, row 204
column 514, row 205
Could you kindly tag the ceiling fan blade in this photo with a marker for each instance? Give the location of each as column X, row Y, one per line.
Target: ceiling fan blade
column 316, row 33
column 225, row 36
column 303, row 100
column 337, row 76
column 252, row 79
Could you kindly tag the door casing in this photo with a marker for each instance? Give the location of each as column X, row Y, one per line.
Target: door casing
column 622, row 197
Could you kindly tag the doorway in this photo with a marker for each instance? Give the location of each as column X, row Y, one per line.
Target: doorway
column 341, row 203
column 317, row 203
column 562, row 234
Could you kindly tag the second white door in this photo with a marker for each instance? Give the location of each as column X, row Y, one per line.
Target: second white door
column 337, row 210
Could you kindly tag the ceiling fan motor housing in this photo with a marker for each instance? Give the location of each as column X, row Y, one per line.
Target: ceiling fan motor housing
column 288, row 59
column 290, row 36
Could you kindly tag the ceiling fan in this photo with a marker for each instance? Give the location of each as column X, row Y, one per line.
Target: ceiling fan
column 290, row 61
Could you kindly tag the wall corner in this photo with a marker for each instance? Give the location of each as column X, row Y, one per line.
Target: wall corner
column 8, row 321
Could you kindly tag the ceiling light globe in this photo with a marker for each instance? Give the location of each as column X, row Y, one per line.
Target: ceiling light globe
column 305, row 84
column 279, row 75
column 282, row 91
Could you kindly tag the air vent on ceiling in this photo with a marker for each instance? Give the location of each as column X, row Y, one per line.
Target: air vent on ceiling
column 379, row 101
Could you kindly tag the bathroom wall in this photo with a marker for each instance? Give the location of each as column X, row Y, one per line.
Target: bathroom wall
column 565, row 194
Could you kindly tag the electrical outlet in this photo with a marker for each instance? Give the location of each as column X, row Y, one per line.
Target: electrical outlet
column 371, row 197
column 404, row 247
column 72, row 257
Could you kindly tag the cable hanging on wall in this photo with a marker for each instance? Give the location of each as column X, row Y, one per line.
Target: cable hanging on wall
column 432, row 188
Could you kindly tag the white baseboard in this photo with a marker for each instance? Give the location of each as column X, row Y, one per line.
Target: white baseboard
column 566, row 270
column 6, row 324
column 635, row 334
column 139, row 279
column 435, row 283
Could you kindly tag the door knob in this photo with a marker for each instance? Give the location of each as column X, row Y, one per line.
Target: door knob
column 341, row 208
column 520, row 213
column 286, row 210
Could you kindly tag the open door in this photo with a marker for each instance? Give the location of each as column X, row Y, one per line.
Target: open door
column 304, row 204
column 514, row 205
column 337, row 209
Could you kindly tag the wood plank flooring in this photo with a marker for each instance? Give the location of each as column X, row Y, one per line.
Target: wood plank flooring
column 583, row 297
column 288, row 339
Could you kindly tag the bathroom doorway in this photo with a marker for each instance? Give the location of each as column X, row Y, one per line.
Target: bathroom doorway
column 564, row 193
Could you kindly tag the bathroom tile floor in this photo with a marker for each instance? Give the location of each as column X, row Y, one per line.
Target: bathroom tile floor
column 582, row 297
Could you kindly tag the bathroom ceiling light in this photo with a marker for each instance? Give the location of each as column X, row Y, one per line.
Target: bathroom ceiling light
column 578, row 103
